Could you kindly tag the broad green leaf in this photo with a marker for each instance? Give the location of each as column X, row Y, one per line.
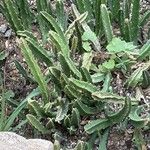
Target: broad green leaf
column 65, row 67
column 107, row 82
column 67, row 121
column 40, row 52
column 88, row 36
column 108, row 65
column 86, row 46
column 97, row 77
column 117, row 45
column 111, row 97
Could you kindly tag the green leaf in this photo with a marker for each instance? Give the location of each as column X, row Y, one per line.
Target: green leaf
column 80, row 145
column 75, row 119
column 65, row 67
column 134, row 25
column 67, row 121
column 72, row 66
column 88, row 36
column 146, row 79
column 17, row 111
column 22, row 71
column 136, row 119
column 61, row 15
column 71, row 91
column 85, row 109
column 87, row 60
column 117, row 45
column 109, row 65
column 36, row 123
column 13, row 16
column 86, row 75
column 139, row 140
column 43, row 5
column 145, row 18
column 87, row 46
column 57, row 145
column 144, row 51
column 104, row 140
column 86, row 28
column 122, row 114
column 97, row 125
column 106, row 23
column 24, row 12
column 71, row 27
column 3, row 55
column 107, row 97
column 36, row 107
column 62, row 110
column 83, row 85
column 107, row 82
column 36, row 48
column 35, row 69
column 58, row 30
column 137, row 76
column 59, row 43
column 97, row 77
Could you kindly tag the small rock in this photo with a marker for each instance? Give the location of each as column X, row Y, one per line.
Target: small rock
column 8, row 33
column 3, row 28
column 10, row 140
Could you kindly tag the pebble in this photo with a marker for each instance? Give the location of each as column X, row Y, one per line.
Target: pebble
column 3, row 28
column 12, row 141
column 8, row 33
